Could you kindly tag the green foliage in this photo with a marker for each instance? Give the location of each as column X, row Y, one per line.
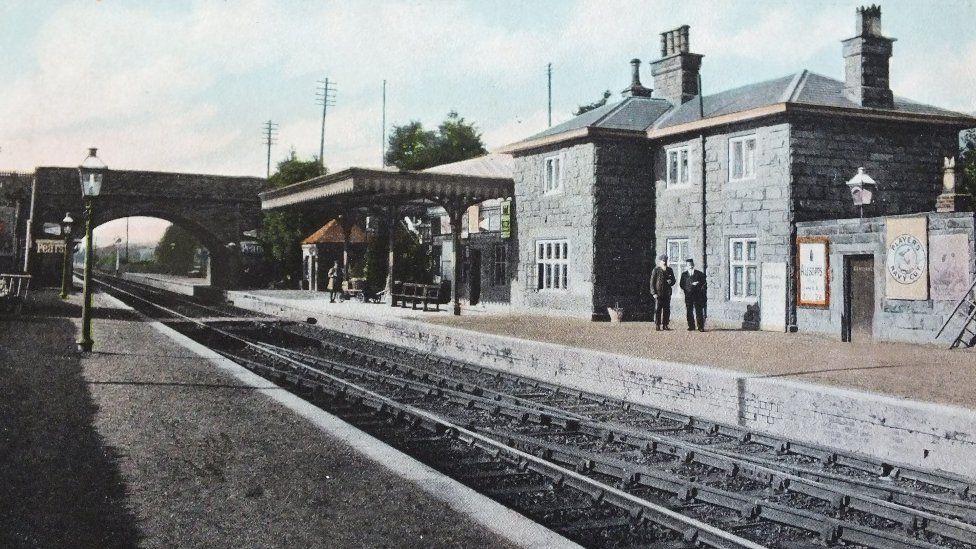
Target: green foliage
column 968, row 159
column 411, row 147
column 282, row 232
column 595, row 105
column 413, row 264
column 176, row 250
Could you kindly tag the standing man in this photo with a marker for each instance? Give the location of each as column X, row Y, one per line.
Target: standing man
column 662, row 279
column 693, row 285
column 335, row 281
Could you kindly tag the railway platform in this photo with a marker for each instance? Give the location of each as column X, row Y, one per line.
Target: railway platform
column 910, row 403
column 145, row 442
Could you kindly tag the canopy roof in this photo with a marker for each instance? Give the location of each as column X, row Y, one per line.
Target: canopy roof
column 468, row 181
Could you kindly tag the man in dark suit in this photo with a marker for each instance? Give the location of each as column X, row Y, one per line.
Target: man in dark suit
column 693, row 285
column 662, row 279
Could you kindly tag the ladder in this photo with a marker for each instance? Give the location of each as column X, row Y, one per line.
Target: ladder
column 966, row 309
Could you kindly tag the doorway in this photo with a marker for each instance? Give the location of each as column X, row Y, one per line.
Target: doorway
column 474, row 277
column 858, row 321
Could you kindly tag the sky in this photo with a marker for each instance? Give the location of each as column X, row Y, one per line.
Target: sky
column 186, row 86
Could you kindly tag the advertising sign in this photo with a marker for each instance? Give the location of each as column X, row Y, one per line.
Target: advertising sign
column 949, row 261
column 50, row 246
column 906, row 261
column 506, row 224
column 813, row 271
column 772, row 310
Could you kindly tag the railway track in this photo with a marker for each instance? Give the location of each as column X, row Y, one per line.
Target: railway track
column 601, row 472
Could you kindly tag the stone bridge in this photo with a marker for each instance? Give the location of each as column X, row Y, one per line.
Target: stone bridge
column 216, row 210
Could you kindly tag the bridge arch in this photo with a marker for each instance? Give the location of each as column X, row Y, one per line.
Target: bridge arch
column 216, row 210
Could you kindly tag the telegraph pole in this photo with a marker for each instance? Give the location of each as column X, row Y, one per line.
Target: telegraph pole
column 383, row 149
column 549, row 78
column 270, row 138
column 325, row 95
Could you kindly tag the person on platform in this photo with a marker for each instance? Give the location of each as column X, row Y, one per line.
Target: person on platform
column 662, row 279
column 335, row 281
column 693, row 285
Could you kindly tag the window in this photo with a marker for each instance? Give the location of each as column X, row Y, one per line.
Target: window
column 678, row 167
column 742, row 158
column 553, row 177
column 678, row 252
column 743, row 269
column 552, row 264
column 499, row 272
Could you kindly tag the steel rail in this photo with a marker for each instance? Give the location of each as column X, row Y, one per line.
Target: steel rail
column 912, row 519
column 889, row 470
column 691, row 529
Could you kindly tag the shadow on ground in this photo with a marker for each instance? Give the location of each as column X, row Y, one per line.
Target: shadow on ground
column 60, row 485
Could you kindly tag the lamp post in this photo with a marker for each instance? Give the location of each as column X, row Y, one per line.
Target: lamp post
column 66, row 265
column 862, row 188
column 91, row 172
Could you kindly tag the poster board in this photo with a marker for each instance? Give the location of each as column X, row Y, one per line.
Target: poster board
column 950, row 259
column 772, row 307
column 8, row 231
column 506, row 221
column 813, row 271
column 906, row 258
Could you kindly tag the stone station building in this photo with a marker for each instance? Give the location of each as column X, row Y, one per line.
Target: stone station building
column 725, row 179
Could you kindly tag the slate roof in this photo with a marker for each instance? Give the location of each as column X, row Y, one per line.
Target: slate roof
column 489, row 165
column 802, row 88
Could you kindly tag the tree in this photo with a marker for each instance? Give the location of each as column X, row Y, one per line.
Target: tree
column 968, row 159
column 595, row 105
column 176, row 250
column 282, row 232
column 411, row 147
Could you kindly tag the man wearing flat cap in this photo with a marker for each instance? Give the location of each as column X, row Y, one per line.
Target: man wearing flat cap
column 662, row 279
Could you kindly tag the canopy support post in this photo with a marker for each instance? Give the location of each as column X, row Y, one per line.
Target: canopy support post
column 391, row 224
column 346, row 221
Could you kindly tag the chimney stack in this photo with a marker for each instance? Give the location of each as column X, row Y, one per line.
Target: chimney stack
column 866, row 56
column 636, row 89
column 676, row 73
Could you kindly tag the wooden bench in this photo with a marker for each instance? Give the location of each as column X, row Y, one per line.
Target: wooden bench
column 13, row 292
column 417, row 294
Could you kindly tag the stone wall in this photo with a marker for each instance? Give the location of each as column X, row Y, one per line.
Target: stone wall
column 894, row 319
column 905, row 160
column 757, row 208
column 624, row 225
column 565, row 215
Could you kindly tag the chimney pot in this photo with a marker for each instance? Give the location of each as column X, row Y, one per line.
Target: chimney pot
column 636, row 89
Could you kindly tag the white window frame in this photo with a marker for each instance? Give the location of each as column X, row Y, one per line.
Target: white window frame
column 552, row 265
column 683, row 176
column 677, row 261
column 746, row 265
column 548, row 185
column 748, row 164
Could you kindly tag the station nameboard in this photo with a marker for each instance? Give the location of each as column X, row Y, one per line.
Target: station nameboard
column 813, row 271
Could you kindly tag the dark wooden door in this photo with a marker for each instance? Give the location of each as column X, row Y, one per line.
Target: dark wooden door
column 474, row 278
column 859, row 298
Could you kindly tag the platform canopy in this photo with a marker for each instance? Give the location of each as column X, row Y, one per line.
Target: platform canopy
column 398, row 193
column 460, row 183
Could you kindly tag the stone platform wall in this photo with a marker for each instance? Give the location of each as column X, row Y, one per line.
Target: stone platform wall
column 913, row 433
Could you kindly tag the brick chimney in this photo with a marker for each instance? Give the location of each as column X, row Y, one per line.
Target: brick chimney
column 866, row 56
column 636, row 89
column 676, row 72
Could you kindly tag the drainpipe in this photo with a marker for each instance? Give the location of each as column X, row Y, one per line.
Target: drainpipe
column 704, row 186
